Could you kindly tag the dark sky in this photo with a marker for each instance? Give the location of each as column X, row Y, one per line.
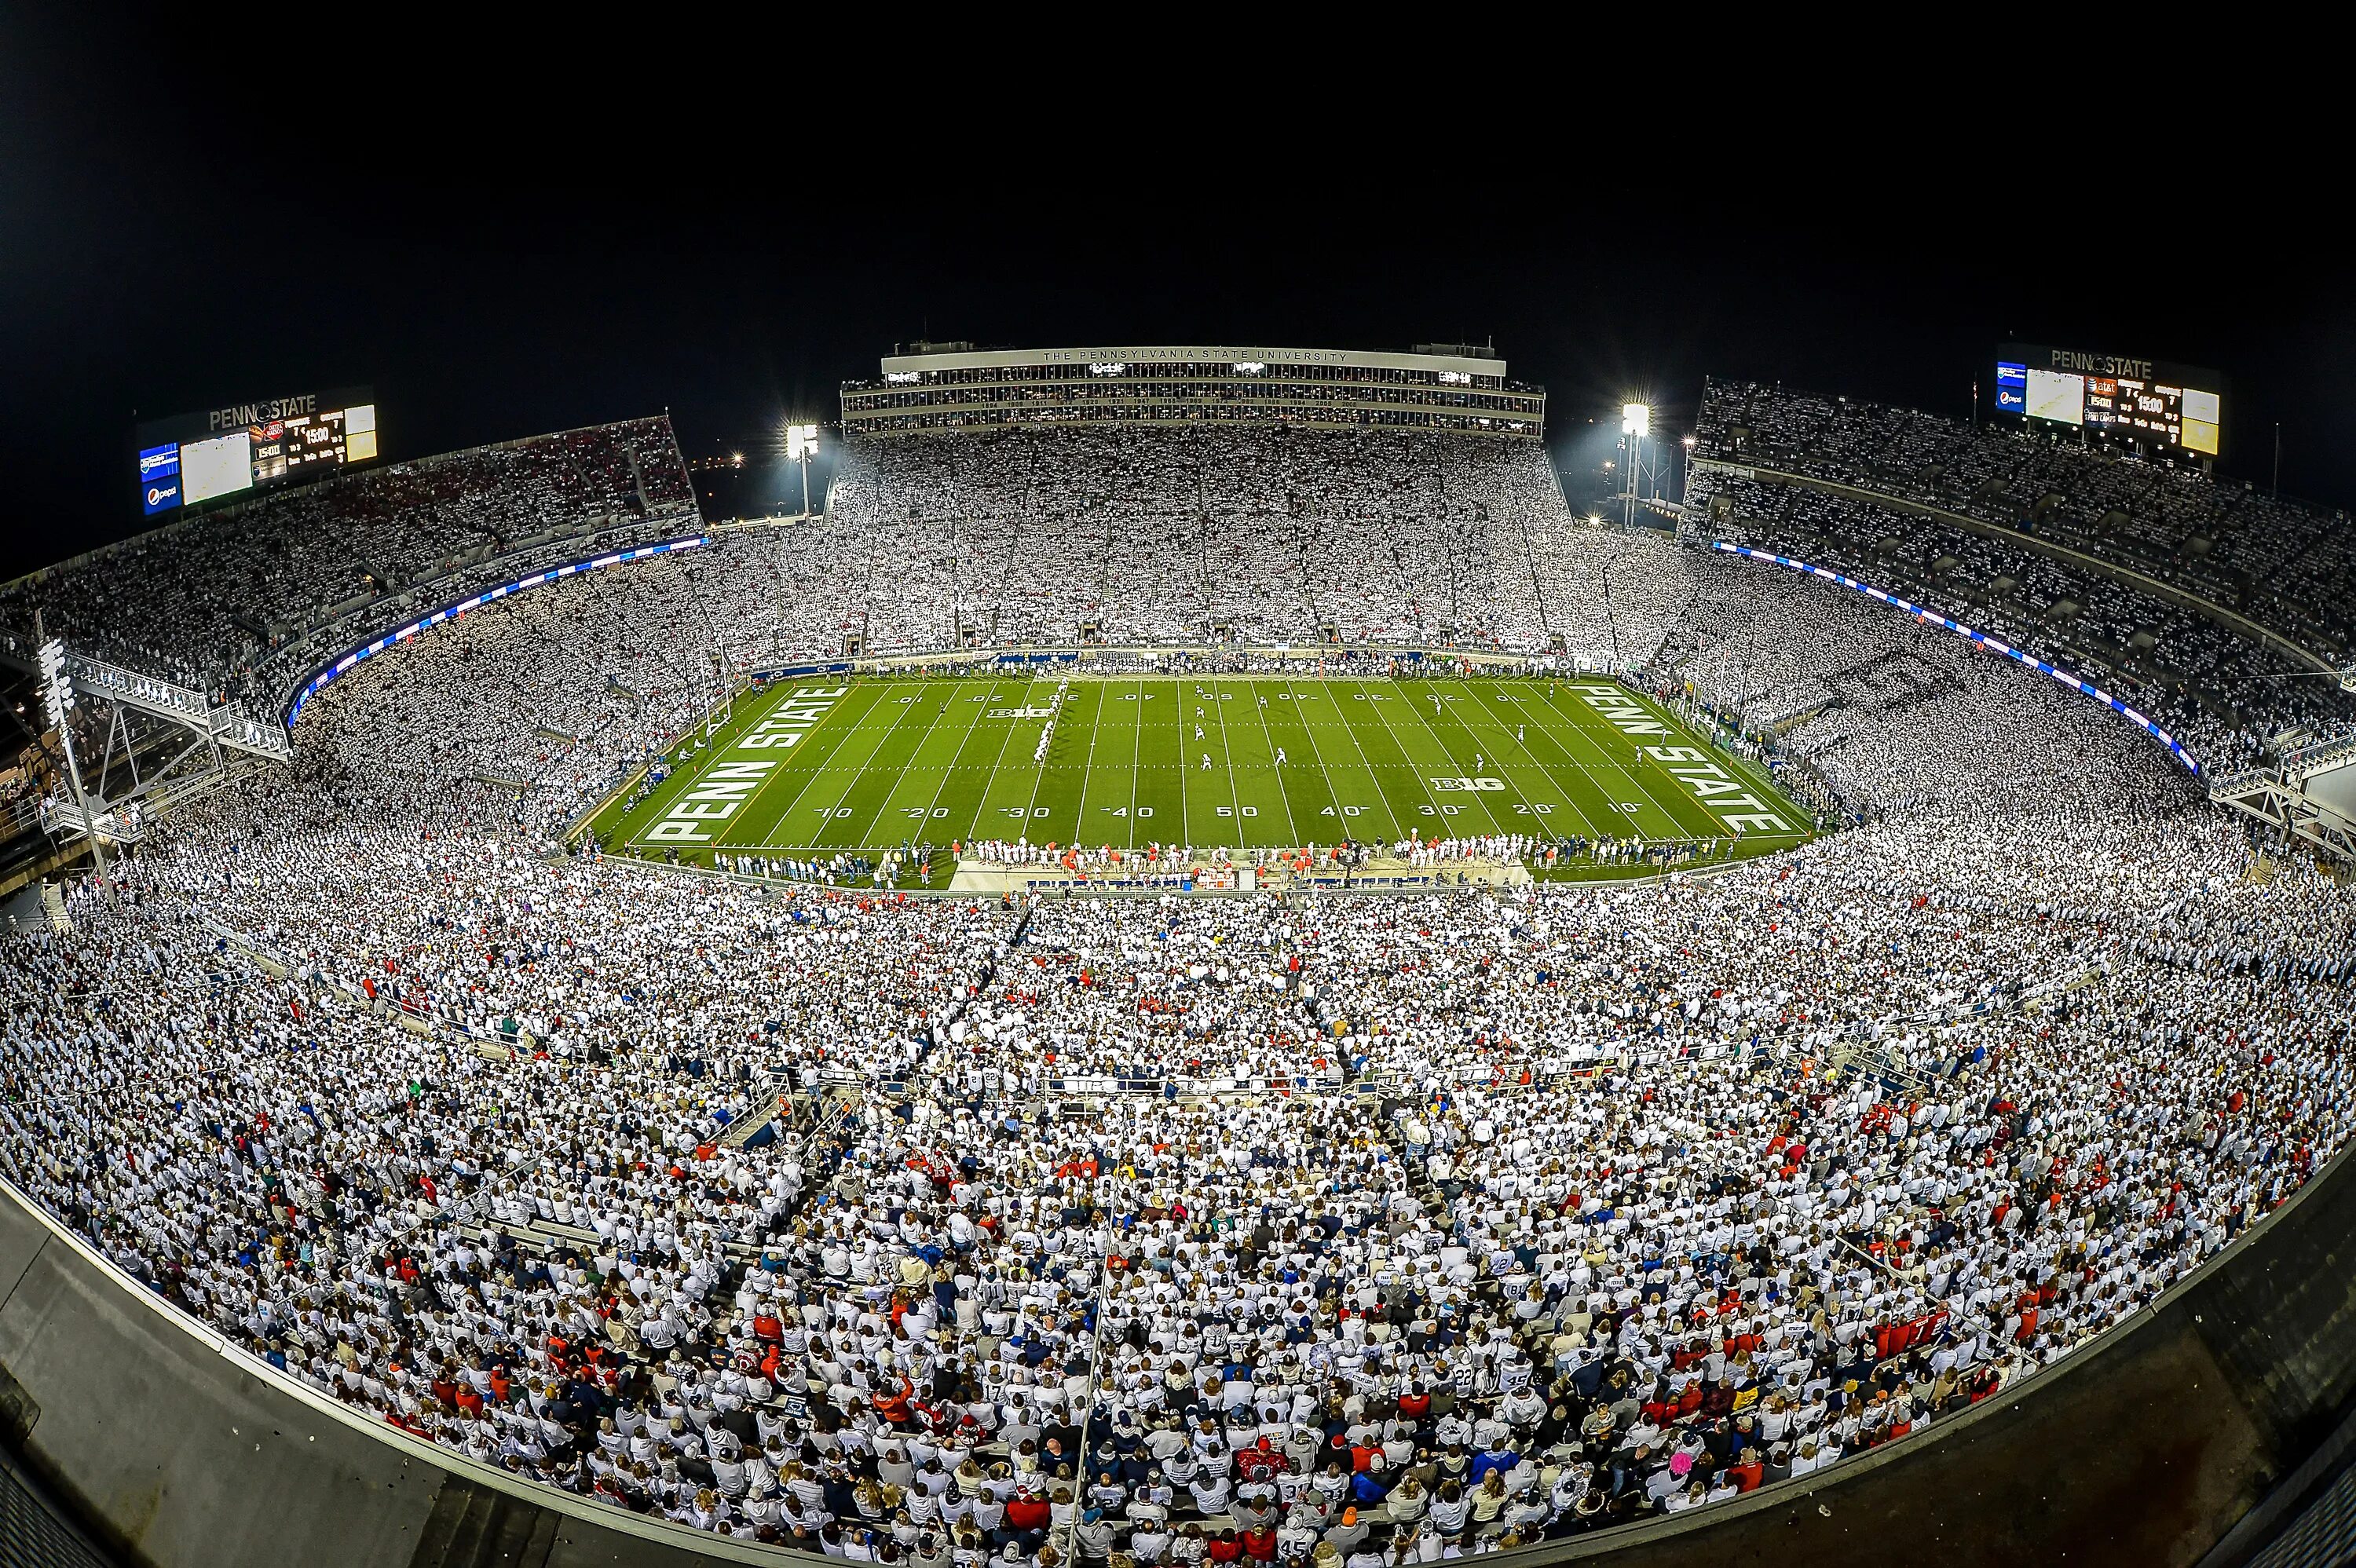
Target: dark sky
column 186, row 219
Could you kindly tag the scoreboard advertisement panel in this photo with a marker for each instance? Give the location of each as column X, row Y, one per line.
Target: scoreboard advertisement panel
column 240, row 447
column 2171, row 410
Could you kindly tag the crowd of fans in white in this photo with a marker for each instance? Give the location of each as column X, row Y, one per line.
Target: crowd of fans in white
column 2285, row 563
column 2207, row 685
column 1425, row 1225
column 207, row 602
column 1266, row 533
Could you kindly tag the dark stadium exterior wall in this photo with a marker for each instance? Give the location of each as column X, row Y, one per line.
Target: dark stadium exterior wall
column 2144, row 1448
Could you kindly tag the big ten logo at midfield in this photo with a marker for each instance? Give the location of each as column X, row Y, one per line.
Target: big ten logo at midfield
column 715, row 798
column 791, row 720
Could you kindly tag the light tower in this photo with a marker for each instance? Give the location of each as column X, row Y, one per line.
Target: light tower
column 1635, row 424
column 801, row 445
column 58, row 702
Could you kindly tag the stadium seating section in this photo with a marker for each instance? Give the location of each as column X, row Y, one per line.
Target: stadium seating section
column 1582, row 1205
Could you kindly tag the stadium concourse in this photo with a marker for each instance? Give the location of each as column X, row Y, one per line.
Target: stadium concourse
column 1322, row 1229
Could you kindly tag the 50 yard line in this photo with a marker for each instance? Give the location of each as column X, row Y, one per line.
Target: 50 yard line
column 1235, row 797
column 1282, row 792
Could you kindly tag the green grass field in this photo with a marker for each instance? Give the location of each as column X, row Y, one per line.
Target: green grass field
column 875, row 764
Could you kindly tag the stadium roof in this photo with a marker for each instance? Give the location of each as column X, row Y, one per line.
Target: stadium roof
column 1194, row 354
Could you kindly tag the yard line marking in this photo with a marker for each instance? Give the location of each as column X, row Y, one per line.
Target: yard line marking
column 999, row 765
column 1260, row 704
column 1087, row 767
column 1382, row 802
column 1438, row 813
column 1569, row 799
column 949, row 770
column 902, row 770
column 1234, row 795
column 827, row 767
column 1433, row 730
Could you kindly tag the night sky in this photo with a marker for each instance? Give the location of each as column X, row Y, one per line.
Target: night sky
column 519, row 248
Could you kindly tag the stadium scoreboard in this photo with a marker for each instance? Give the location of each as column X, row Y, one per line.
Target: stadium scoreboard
column 2174, row 411
column 229, row 451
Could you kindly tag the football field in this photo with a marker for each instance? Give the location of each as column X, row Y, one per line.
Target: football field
column 1243, row 762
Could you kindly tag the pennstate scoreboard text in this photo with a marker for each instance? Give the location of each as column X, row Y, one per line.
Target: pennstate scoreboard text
column 227, row 451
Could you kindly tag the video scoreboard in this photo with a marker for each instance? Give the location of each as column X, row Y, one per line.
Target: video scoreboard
column 229, row 451
column 2175, row 411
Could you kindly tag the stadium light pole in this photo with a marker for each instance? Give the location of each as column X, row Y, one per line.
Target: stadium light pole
column 801, row 444
column 1635, row 424
column 58, row 701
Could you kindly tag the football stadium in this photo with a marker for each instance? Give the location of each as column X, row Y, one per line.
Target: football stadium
column 1189, row 964
column 1579, row 766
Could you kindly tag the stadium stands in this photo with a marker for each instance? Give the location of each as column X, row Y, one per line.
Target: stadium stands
column 1330, row 1231
column 1258, row 533
column 2056, row 511
column 2282, row 562
column 213, row 602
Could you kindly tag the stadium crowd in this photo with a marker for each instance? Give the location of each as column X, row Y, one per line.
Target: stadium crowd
column 1329, row 1230
column 205, row 601
column 2285, row 563
column 1261, row 533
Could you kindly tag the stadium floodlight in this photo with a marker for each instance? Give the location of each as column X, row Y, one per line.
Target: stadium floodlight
column 57, row 690
column 1635, row 424
column 57, row 700
column 801, row 445
column 1689, row 444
